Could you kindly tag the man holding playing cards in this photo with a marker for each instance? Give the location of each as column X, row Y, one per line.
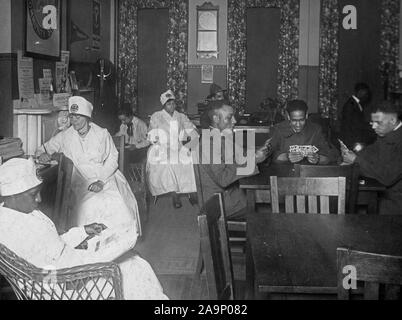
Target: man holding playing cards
column 298, row 140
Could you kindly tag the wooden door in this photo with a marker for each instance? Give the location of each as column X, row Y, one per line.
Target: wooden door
column 152, row 58
column 263, row 31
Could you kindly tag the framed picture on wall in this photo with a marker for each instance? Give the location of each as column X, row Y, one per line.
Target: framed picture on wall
column 43, row 28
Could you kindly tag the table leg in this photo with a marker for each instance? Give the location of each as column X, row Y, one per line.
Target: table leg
column 372, row 203
column 251, row 200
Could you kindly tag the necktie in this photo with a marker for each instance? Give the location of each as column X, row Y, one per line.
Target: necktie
column 130, row 129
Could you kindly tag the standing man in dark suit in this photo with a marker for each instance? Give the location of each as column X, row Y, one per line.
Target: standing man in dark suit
column 355, row 128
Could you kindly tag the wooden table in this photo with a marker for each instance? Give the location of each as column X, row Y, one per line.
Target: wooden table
column 368, row 192
column 293, row 255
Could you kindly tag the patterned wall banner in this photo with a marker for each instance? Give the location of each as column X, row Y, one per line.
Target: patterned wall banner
column 176, row 47
column 288, row 70
column 329, row 54
column 389, row 46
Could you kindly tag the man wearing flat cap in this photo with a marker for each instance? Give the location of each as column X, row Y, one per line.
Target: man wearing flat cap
column 297, row 140
column 216, row 92
column 102, row 193
column 31, row 235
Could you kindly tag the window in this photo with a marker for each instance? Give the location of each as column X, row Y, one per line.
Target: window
column 207, row 31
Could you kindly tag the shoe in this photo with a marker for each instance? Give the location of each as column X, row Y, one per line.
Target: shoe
column 176, row 202
column 192, row 197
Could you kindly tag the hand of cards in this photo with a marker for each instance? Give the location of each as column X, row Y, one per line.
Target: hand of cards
column 303, row 150
column 344, row 148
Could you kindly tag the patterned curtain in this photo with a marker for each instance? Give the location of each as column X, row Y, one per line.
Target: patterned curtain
column 176, row 47
column 389, row 46
column 329, row 47
column 288, row 70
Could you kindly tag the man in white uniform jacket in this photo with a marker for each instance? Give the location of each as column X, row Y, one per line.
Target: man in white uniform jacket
column 32, row 235
column 102, row 193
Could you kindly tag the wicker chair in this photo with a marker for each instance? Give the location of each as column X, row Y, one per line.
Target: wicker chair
column 89, row 282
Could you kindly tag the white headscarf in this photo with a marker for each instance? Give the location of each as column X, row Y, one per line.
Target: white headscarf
column 17, row 176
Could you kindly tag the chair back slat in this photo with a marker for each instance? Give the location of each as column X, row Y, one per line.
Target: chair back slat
column 377, row 271
column 289, row 204
column 312, row 204
column 215, row 250
column 350, row 172
column 301, row 204
column 324, row 205
column 371, row 291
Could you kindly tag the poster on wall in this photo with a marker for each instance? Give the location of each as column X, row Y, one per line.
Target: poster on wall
column 207, row 73
column 96, row 28
column 43, row 25
column 25, row 77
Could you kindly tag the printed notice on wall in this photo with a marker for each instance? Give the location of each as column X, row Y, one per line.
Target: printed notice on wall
column 65, row 58
column 207, row 74
column 25, row 77
column 45, row 97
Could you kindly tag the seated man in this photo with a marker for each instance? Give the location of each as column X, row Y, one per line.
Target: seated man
column 32, row 235
column 222, row 176
column 383, row 159
column 297, row 139
column 134, row 129
column 216, row 93
column 355, row 128
column 135, row 132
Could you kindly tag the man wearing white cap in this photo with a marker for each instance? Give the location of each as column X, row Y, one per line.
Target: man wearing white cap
column 102, row 194
column 32, row 235
column 165, row 174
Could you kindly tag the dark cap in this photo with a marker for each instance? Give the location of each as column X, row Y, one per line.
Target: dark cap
column 214, row 89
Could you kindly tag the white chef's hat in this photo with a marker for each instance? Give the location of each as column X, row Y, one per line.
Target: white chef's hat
column 17, row 176
column 166, row 96
column 81, row 106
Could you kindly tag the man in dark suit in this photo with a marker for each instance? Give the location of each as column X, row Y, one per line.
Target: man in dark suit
column 355, row 128
column 383, row 159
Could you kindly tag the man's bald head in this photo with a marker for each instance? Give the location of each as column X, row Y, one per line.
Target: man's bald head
column 221, row 115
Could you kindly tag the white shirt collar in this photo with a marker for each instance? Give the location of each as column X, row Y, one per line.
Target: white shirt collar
column 398, row 126
column 356, row 98
column 358, row 102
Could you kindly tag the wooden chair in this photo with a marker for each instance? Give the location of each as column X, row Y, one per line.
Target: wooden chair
column 381, row 274
column 88, row 282
column 120, row 146
column 312, row 188
column 239, row 227
column 137, row 181
column 215, row 250
column 351, row 173
column 63, row 202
